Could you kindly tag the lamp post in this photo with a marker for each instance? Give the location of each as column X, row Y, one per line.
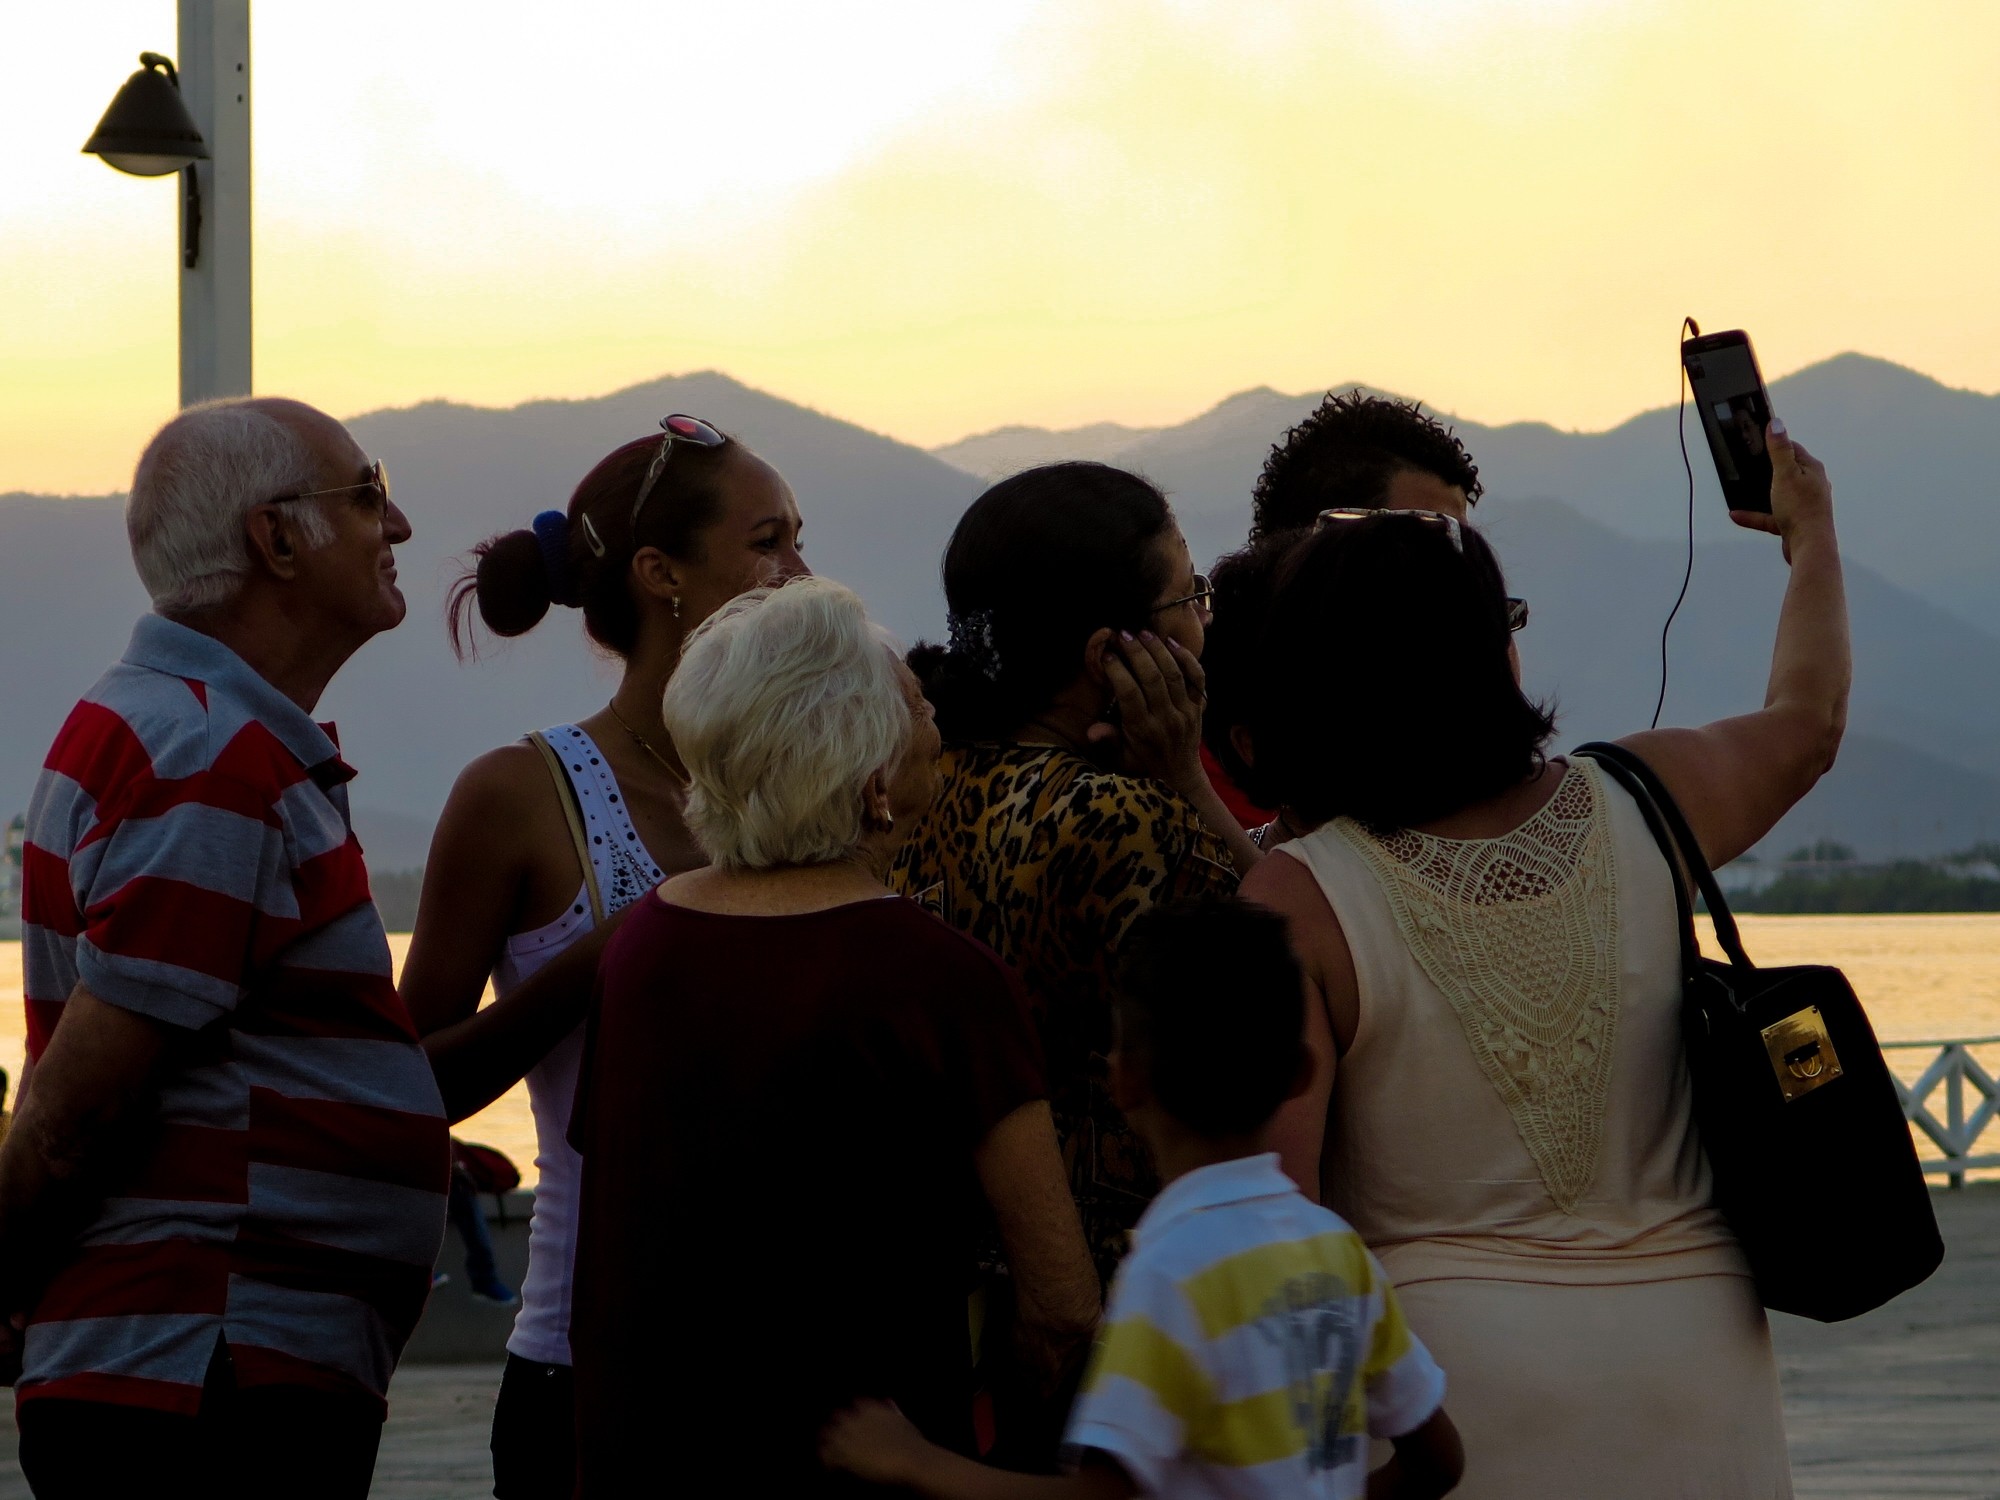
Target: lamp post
column 197, row 122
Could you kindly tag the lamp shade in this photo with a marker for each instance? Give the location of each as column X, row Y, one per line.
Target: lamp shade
column 148, row 130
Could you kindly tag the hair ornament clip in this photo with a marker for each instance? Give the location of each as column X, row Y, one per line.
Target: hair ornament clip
column 592, row 539
column 551, row 530
column 971, row 639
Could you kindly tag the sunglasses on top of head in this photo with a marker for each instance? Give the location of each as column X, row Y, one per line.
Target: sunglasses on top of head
column 1437, row 520
column 678, row 427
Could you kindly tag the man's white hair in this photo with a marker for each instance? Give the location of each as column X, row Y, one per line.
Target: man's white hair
column 198, row 478
column 786, row 700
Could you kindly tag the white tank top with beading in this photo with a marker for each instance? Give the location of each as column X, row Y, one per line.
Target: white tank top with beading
column 625, row 872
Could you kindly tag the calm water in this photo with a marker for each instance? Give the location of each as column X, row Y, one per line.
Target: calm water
column 1920, row 976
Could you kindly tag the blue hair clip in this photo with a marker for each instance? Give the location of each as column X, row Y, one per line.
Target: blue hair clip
column 551, row 530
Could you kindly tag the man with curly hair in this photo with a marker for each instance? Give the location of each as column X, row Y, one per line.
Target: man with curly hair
column 1362, row 450
column 1353, row 450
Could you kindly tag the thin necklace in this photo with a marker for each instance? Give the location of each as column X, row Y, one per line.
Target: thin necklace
column 686, row 782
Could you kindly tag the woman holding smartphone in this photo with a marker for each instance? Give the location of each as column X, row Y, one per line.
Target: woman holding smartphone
column 1491, row 941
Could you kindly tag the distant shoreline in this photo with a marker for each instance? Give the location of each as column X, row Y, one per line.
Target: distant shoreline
column 1900, row 888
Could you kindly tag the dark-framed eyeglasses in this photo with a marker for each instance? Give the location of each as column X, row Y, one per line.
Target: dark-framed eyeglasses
column 1203, row 597
column 1517, row 613
column 377, row 480
column 1436, row 519
column 679, row 427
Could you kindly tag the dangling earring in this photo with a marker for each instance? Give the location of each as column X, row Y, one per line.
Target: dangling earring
column 677, row 606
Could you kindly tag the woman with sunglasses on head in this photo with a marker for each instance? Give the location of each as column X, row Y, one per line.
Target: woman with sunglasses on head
column 1492, row 941
column 1070, row 700
column 548, row 838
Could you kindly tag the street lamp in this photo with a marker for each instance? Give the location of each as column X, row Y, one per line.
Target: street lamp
column 197, row 122
column 148, row 132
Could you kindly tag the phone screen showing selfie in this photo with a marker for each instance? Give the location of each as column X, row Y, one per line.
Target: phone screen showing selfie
column 1735, row 411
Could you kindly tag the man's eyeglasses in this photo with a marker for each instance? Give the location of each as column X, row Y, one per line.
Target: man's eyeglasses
column 1436, row 519
column 1203, row 597
column 377, row 480
column 679, row 428
column 1517, row 609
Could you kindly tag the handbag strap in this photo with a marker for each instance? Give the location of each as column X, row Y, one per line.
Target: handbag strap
column 573, row 814
column 1683, row 907
column 1677, row 841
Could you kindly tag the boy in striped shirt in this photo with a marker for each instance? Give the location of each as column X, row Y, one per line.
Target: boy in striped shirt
column 1252, row 1346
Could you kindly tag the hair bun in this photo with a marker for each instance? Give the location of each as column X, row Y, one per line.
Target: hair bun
column 509, row 583
column 971, row 636
column 962, row 687
column 551, row 529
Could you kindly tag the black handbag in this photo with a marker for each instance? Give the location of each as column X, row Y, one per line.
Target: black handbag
column 1812, row 1159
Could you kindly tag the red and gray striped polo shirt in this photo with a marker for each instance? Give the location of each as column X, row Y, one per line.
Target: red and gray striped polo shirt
column 189, row 858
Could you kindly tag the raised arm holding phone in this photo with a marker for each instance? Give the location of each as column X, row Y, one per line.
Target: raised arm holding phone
column 1736, row 777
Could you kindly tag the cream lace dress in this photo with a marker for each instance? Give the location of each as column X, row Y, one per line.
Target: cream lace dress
column 1511, row 1135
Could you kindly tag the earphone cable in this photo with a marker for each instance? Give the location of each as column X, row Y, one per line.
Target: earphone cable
column 1689, row 329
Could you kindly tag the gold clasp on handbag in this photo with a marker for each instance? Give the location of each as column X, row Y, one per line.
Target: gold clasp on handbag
column 1801, row 1052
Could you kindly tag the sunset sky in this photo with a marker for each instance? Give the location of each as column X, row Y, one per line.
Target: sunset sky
column 935, row 217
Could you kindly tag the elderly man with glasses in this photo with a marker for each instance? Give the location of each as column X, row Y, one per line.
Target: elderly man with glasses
column 225, row 1187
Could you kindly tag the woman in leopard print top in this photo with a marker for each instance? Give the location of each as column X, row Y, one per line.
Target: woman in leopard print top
column 1073, row 797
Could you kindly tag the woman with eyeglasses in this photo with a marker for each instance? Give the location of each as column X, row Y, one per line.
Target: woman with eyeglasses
column 1070, row 700
column 1491, row 936
column 548, row 838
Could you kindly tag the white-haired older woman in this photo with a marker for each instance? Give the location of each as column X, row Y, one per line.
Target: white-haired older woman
column 805, row 1099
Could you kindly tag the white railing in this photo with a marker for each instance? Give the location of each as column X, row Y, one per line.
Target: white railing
column 1957, row 1134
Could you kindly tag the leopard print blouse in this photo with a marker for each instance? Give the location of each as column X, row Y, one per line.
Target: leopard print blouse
column 1047, row 859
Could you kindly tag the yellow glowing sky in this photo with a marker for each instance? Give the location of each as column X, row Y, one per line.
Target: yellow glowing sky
column 937, row 216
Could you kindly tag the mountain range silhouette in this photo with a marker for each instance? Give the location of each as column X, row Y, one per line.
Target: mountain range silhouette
column 1591, row 528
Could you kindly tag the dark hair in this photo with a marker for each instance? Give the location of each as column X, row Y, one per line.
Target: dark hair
column 1405, row 708
column 1040, row 562
column 1211, row 1000
column 1245, row 581
column 1346, row 453
column 516, row 576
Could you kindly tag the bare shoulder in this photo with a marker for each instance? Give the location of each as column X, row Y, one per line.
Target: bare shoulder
column 1735, row 778
column 505, row 801
column 512, row 778
column 1285, row 885
column 1675, row 754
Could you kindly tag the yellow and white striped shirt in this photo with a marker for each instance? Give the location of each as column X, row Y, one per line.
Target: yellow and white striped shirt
column 1252, row 1347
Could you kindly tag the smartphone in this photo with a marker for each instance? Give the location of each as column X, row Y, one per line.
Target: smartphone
column 1735, row 409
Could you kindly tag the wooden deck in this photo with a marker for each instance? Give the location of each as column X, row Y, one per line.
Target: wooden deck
column 1902, row 1403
